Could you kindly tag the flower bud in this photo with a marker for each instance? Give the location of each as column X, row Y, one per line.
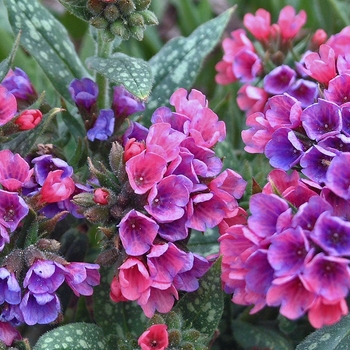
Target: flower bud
column 29, row 119
column 118, row 28
column 136, row 19
column 97, row 215
column 101, row 196
column 137, row 32
column 174, row 337
column 48, row 244
column 174, row 320
column 126, row 7
column 95, row 7
column 133, row 148
column 142, row 4
column 116, row 156
column 84, row 199
column 107, row 257
column 149, row 17
column 99, row 22
column 111, row 12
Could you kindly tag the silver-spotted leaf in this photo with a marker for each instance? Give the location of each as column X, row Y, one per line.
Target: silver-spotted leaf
column 77, row 336
column 5, row 65
column 134, row 73
column 47, row 40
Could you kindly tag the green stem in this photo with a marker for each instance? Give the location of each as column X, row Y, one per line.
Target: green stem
column 104, row 50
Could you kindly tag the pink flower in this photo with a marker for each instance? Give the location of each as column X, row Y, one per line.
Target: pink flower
column 340, row 42
column 225, row 73
column 29, row 119
column 14, row 170
column 132, row 148
column 251, row 99
column 154, row 338
column 290, row 23
column 116, row 293
column 8, row 106
column 319, row 38
column 101, row 196
column 321, row 66
column 55, row 188
column 258, row 25
column 8, row 333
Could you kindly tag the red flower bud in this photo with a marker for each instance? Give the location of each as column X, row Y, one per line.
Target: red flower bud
column 29, row 119
column 133, row 148
column 101, row 196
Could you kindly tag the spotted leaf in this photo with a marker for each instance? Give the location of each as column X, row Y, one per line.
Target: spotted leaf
column 46, row 39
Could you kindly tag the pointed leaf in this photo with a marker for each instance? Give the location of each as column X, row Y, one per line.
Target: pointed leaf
column 249, row 336
column 178, row 63
column 203, row 308
column 5, row 65
column 77, row 336
column 335, row 337
column 116, row 319
column 134, row 73
column 78, row 8
column 46, row 39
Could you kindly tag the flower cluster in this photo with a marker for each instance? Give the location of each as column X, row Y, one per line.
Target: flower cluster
column 292, row 252
column 16, row 95
column 168, row 181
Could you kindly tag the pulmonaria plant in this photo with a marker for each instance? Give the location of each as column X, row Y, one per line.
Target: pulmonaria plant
column 167, row 181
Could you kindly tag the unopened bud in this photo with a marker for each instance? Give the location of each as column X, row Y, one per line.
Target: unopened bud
column 29, row 119
column 149, row 17
column 108, row 36
column 48, row 244
column 136, row 19
column 126, row 7
column 95, row 7
column 84, row 199
column 111, row 12
column 142, row 4
column 99, row 22
column 116, row 156
column 174, row 320
column 97, row 215
column 174, row 337
column 107, row 257
column 118, row 28
column 101, row 196
column 137, row 32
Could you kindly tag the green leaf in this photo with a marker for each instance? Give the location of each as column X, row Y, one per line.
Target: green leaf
column 335, row 337
column 116, row 319
column 204, row 243
column 78, row 8
column 77, row 336
column 203, row 308
column 134, row 73
column 46, row 39
column 25, row 141
column 5, row 65
column 249, row 336
column 179, row 61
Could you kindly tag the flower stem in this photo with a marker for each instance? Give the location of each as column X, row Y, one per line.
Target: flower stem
column 103, row 50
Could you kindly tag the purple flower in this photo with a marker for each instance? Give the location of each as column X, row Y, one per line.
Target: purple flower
column 279, row 80
column 84, row 92
column 40, row 308
column 167, row 200
column 321, row 119
column 136, row 131
column 174, row 231
column 165, row 115
column 336, row 143
column 81, row 277
column 43, row 165
column 18, row 83
column 327, row 276
column 284, row 149
column 345, row 113
column 4, row 237
column 288, row 251
column 125, row 103
column 338, row 175
column 103, row 127
column 332, row 234
column 11, row 313
column 10, row 291
column 305, row 91
column 44, row 276
column 247, row 65
column 8, row 333
column 137, row 232
column 338, row 89
column 315, row 162
column 13, row 209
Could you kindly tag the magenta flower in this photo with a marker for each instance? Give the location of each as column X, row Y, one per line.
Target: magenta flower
column 247, row 65
column 304, row 91
column 4, row 237
column 14, row 171
column 84, row 93
column 134, row 279
column 40, row 308
column 338, row 90
column 145, row 170
column 44, row 276
column 259, row 25
column 56, row 187
column 29, row 119
column 12, row 209
column 137, row 232
column 251, row 99
column 103, row 127
column 154, row 338
column 8, row 106
column 291, row 294
column 10, row 290
column 279, row 79
column 167, row 200
column 321, row 66
column 290, row 23
column 81, row 277
column 224, row 75
column 8, row 333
